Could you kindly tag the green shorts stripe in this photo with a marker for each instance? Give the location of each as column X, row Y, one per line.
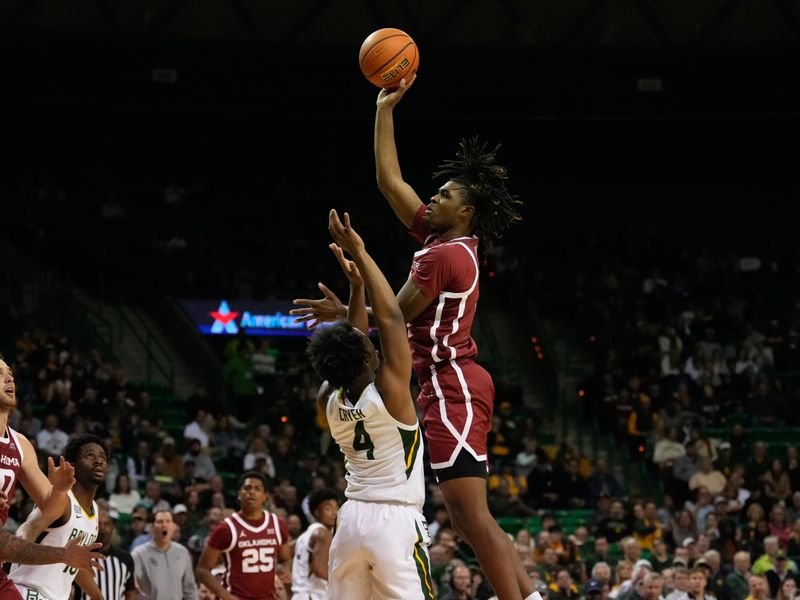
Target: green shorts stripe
column 423, row 568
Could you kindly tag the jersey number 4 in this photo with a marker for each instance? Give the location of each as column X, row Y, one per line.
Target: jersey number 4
column 362, row 441
column 258, row 559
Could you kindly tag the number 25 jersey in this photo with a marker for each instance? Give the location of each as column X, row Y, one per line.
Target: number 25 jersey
column 249, row 552
column 383, row 457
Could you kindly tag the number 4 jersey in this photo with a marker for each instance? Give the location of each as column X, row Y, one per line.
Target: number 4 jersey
column 249, row 552
column 383, row 457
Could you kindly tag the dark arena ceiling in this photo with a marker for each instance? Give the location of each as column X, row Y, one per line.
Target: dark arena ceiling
column 509, row 24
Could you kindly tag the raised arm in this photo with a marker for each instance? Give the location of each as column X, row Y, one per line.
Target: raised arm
column 395, row 371
column 401, row 196
column 50, row 495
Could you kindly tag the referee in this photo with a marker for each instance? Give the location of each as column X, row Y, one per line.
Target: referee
column 116, row 579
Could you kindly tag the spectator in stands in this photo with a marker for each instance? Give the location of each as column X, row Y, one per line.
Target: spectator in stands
column 229, row 447
column 152, row 500
column 767, row 561
column 543, row 486
column 140, row 465
column 51, row 440
column 564, row 588
column 601, row 553
column 203, row 465
column 258, row 451
column 776, row 482
column 503, row 504
column 736, row 582
column 758, row 462
column 601, row 572
column 124, row 498
column 708, row 477
column 668, row 449
column 196, row 429
column 617, row 525
column 758, row 586
column 642, row 424
column 527, row 458
column 653, row 586
column 623, row 575
column 173, row 460
column 698, row 584
column 794, row 541
column 683, row 469
column 572, row 486
column 646, row 528
column 660, row 557
column 779, row 526
column 724, row 463
column 788, row 589
column 793, row 467
column 601, row 482
column 780, row 570
column 684, row 528
column 190, row 482
column 680, row 583
column 460, row 587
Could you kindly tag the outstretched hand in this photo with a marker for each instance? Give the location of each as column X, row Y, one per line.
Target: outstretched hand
column 62, row 477
column 83, row 557
column 313, row 312
column 390, row 98
column 348, row 266
column 344, row 234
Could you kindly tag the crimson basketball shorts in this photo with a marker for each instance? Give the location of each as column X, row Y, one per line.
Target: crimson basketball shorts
column 8, row 591
column 457, row 400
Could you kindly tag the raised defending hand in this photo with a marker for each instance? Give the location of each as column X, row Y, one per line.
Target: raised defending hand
column 389, row 98
column 324, row 310
column 62, row 477
column 344, row 234
column 348, row 266
column 83, row 557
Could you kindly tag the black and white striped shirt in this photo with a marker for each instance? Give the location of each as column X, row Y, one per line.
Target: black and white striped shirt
column 116, row 578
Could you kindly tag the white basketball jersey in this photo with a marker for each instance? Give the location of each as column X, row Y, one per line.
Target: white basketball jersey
column 54, row 582
column 303, row 579
column 383, row 457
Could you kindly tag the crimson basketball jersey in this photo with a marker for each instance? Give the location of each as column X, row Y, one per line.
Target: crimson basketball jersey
column 447, row 272
column 10, row 466
column 249, row 553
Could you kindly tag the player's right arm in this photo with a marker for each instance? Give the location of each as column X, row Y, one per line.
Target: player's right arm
column 395, row 371
column 207, row 561
column 14, row 549
column 401, row 196
column 320, row 544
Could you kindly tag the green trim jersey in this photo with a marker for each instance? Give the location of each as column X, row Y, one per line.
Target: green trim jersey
column 383, row 457
column 54, row 582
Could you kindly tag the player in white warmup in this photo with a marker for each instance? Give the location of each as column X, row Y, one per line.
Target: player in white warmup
column 380, row 544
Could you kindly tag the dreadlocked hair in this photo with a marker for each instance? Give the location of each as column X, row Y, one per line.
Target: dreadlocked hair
column 475, row 168
column 337, row 353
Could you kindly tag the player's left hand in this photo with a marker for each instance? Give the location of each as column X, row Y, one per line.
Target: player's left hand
column 344, row 234
column 324, row 310
column 348, row 266
column 62, row 478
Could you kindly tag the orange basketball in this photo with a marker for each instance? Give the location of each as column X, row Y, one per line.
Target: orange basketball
column 388, row 55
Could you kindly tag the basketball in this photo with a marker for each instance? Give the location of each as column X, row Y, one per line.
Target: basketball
column 388, row 55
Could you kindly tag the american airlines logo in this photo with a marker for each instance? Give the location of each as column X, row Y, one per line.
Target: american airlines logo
column 224, row 319
column 9, row 461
